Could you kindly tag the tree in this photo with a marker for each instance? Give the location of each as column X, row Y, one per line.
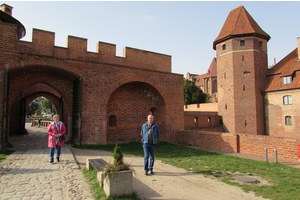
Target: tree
column 47, row 104
column 38, row 105
column 32, row 108
column 193, row 94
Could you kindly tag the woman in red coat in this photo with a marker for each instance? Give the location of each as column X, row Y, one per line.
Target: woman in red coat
column 55, row 130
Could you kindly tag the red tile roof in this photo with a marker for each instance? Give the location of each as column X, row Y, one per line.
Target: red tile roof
column 239, row 23
column 286, row 67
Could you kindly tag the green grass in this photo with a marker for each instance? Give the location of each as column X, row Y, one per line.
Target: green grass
column 284, row 181
column 98, row 191
column 4, row 155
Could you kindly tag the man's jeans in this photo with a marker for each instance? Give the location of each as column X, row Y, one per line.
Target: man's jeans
column 58, row 149
column 148, row 152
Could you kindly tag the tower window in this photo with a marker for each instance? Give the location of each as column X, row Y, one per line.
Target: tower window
column 225, row 106
column 224, row 47
column 246, row 74
column 242, row 57
column 260, row 44
column 287, row 100
column 242, row 43
column 288, row 120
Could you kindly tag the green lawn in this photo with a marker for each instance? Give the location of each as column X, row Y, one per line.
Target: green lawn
column 283, row 181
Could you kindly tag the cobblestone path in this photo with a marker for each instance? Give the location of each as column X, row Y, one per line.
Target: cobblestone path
column 27, row 173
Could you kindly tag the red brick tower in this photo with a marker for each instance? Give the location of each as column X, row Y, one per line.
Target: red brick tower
column 242, row 66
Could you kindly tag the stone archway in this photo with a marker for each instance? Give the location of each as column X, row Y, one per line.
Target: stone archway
column 129, row 105
column 25, row 84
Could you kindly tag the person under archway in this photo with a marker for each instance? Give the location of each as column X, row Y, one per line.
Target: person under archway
column 55, row 130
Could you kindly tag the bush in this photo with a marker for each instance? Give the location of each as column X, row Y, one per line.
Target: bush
column 118, row 164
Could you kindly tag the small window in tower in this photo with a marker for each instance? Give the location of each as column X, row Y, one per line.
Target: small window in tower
column 224, row 75
column 244, row 87
column 242, row 43
column 288, row 120
column 242, row 57
column 260, row 44
column 225, row 106
column 245, row 123
column 224, row 47
column 246, row 74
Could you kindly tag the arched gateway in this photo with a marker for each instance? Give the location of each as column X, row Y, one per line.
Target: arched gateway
column 102, row 98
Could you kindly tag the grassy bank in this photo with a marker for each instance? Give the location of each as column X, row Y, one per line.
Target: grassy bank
column 283, row 181
column 4, row 154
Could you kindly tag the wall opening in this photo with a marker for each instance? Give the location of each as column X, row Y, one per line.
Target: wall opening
column 112, row 121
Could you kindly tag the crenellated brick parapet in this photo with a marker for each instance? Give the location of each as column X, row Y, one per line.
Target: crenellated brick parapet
column 43, row 45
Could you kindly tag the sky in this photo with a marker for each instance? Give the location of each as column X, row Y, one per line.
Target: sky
column 184, row 30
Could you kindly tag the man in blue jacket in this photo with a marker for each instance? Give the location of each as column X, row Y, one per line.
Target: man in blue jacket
column 150, row 133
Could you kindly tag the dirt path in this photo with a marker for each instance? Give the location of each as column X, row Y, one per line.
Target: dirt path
column 169, row 182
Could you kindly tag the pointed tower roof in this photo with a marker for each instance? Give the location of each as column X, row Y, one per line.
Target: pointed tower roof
column 239, row 23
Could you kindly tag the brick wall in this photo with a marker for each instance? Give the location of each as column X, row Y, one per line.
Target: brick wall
column 287, row 148
column 106, row 84
column 129, row 104
column 2, row 80
column 210, row 107
column 195, row 119
column 225, row 142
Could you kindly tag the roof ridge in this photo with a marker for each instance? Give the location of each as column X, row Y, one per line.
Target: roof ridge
column 239, row 23
column 249, row 19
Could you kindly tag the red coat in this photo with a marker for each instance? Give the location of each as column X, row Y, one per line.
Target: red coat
column 51, row 130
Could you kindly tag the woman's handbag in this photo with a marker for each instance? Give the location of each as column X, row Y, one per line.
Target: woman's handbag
column 61, row 138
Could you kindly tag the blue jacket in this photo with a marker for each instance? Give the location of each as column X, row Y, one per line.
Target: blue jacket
column 145, row 129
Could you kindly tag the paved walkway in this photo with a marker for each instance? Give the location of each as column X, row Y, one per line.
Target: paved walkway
column 27, row 173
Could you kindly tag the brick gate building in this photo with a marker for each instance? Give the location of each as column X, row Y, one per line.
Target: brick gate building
column 102, row 98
